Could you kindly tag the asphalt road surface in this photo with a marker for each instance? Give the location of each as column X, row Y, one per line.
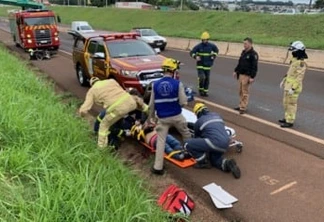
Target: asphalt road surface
column 279, row 182
column 266, row 96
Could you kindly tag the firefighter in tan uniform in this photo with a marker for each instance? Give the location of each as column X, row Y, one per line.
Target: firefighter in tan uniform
column 116, row 101
column 167, row 98
column 293, row 83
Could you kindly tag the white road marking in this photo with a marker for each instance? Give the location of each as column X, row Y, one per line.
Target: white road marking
column 285, row 187
column 263, row 108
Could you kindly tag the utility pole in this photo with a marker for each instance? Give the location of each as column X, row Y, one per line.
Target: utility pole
column 181, row 5
column 310, row 4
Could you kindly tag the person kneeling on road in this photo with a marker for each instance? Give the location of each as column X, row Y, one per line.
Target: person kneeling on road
column 211, row 139
column 115, row 100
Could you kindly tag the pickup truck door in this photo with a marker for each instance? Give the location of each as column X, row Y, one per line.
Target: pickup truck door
column 88, row 57
column 100, row 61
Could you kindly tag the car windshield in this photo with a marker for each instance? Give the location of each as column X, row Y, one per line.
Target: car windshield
column 85, row 27
column 40, row 21
column 148, row 32
column 129, row 48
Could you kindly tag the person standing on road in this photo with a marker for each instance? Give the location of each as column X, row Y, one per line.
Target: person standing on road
column 205, row 54
column 211, row 139
column 245, row 72
column 167, row 98
column 117, row 102
column 293, row 83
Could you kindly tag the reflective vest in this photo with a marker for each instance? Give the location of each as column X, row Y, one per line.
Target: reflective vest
column 166, row 97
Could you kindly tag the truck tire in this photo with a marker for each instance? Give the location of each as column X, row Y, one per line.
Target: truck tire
column 82, row 79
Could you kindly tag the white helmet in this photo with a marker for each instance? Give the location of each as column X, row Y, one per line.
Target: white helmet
column 297, row 45
column 93, row 80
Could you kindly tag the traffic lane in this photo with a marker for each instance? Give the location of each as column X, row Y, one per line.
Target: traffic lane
column 266, row 96
column 278, row 183
column 277, row 164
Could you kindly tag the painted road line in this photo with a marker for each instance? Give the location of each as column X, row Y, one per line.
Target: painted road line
column 306, row 136
column 285, row 187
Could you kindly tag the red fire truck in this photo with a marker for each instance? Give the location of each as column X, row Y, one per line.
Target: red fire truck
column 35, row 30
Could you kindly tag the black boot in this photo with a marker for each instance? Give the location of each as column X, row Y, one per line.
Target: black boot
column 287, row 125
column 230, row 165
column 202, row 164
column 157, row 172
column 282, row 121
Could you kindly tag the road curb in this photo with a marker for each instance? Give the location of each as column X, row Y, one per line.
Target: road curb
column 301, row 141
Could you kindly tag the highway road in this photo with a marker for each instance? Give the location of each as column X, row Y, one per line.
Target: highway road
column 279, row 182
column 266, row 96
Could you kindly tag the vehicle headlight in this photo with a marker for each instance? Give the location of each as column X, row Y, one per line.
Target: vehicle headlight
column 56, row 38
column 55, row 34
column 129, row 73
column 29, row 41
column 28, row 36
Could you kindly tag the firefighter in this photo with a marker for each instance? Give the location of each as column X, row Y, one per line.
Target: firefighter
column 205, row 54
column 211, row 140
column 116, row 101
column 167, row 98
column 293, row 83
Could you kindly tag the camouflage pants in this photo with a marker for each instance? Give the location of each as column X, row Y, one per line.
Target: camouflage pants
column 290, row 106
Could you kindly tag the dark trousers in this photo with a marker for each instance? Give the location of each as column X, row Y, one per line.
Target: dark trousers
column 203, row 80
column 199, row 148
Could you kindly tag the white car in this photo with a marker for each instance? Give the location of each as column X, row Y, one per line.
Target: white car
column 151, row 37
column 289, row 11
column 80, row 27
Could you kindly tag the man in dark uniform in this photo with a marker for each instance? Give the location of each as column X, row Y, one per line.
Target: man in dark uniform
column 245, row 72
column 205, row 54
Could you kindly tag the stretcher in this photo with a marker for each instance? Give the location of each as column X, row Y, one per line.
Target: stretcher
column 180, row 163
column 191, row 119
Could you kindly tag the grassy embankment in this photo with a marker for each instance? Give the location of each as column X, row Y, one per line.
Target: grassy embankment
column 223, row 26
column 50, row 169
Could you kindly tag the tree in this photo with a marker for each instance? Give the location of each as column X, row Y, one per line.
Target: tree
column 319, row 4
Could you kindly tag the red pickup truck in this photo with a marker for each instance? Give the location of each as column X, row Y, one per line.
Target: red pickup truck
column 132, row 62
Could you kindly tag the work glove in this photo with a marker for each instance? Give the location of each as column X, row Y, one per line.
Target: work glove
column 128, row 133
column 282, row 83
column 198, row 58
column 291, row 92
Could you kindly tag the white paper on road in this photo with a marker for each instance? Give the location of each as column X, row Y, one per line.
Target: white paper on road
column 222, row 197
column 219, row 204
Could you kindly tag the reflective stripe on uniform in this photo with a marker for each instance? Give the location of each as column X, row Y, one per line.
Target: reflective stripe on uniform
column 104, row 133
column 166, row 100
column 201, row 158
column 210, row 121
column 207, row 54
column 118, row 102
column 146, row 108
column 99, row 119
column 211, row 145
column 203, row 67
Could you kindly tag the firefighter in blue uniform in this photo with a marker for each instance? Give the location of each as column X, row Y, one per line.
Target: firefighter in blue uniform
column 205, row 54
column 211, row 142
column 167, row 98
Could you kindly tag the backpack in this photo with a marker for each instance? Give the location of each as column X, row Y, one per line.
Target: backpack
column 176, row 200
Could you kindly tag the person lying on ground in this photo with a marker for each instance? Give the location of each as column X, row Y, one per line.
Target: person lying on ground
column 147, row 133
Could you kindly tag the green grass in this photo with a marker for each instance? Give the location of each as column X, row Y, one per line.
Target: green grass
column 50, row 169
column 223, row 26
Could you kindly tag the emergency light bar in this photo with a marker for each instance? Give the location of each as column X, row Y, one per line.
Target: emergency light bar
column 130, row 35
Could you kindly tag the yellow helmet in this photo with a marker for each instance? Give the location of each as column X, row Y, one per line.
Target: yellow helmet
column 169, row 64
column 199, row 107
column 93, row 80
column 205, row 36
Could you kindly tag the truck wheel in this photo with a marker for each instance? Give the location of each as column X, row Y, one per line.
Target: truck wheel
column 81, row 76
